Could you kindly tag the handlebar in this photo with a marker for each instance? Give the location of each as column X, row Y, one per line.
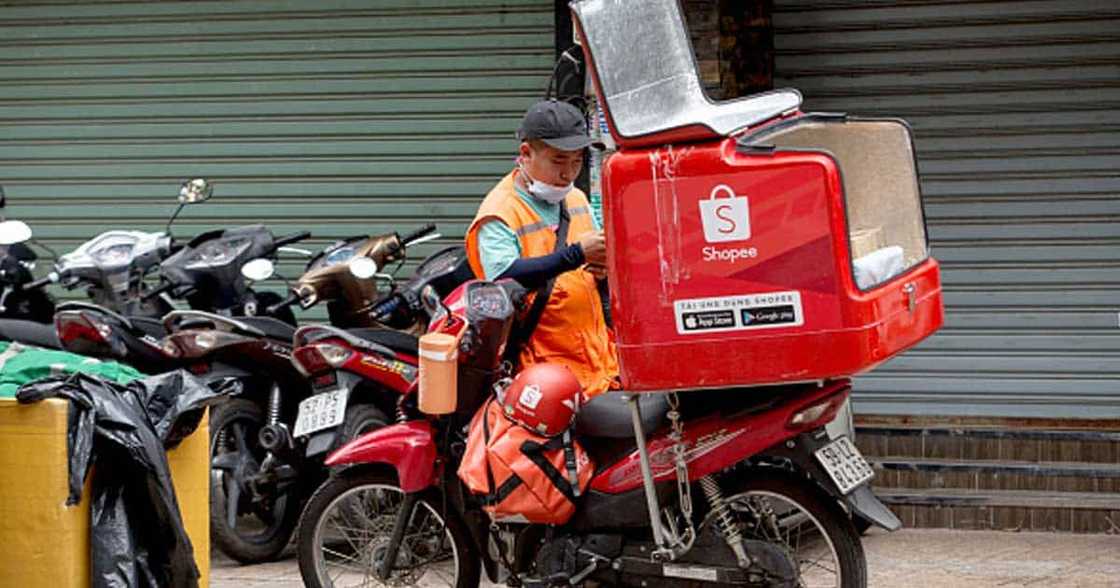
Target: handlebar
column 294, row 298
column 385, row 308
column 293, row 238
column 418, row 233
column 43, row 281
column 166, row 286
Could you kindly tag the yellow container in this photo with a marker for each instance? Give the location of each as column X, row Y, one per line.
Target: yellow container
column 46, row 543
column 439, row 373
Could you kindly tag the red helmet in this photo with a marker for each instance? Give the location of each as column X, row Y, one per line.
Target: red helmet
column 543, row 398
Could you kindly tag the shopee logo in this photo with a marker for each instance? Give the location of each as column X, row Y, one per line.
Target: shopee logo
column 725, row 219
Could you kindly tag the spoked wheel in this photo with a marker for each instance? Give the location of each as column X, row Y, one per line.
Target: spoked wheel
column 347, row 527
column 813, row 529
column 243, row 528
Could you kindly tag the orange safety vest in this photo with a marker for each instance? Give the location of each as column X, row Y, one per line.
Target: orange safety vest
column 572, row 330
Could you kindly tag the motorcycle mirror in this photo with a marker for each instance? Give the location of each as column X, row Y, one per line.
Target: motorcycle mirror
column 14, row 231
column 431, row 300
column 258, row 269
column 363, row 268
column 196, row 190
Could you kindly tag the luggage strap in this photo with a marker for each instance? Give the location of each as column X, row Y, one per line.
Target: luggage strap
column 523, row 331
column 535, row 452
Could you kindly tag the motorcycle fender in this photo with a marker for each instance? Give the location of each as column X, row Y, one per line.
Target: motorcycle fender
column 861, row 501
column 408, row 447
column 321, row 442
column 223, row 375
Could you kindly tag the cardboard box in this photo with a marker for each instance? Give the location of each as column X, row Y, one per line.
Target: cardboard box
column 46, row 543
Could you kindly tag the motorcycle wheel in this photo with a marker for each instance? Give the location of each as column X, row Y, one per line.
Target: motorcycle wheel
column 335, row 551
column 811, row 526
column 252, row 532
column 361, row 419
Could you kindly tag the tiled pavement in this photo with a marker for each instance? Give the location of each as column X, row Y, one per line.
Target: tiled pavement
column 909, row 558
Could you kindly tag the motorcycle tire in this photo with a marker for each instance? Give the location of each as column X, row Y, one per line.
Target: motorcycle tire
column 349, row 485
column 822, row 510
column 243, row 419
column 361, row 419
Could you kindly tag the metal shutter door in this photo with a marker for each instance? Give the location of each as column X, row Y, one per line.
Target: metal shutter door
column 339, row 117
column 1016, row 110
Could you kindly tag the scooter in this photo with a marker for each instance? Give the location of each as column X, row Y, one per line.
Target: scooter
column 345, row 276
column 17, row 261
column 123, row 322
column 255, row 496
column 112, row 268
column 264, row 463
column 356, row 373
column 772, row 511
column 127, row 326
column 25, row 313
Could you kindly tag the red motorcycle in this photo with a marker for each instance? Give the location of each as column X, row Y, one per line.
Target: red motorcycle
column 360, row 375
column 776, row 488
column 758, row 257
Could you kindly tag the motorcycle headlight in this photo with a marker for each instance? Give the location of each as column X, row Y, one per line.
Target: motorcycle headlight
column 218, row 253
column 340, row 255
column 113, row 251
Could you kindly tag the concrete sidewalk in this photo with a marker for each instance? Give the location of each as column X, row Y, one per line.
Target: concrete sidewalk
column 906, row 559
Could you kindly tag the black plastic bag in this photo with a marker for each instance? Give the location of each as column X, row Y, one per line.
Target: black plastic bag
column 136, row 533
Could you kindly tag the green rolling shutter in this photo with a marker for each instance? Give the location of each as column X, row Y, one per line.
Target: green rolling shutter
column 1016, row 112
column 339, row 117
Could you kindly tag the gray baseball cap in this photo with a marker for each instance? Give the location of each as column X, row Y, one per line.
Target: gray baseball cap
column 558, row 124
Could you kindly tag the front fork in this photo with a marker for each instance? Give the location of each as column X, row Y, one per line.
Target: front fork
column 861, row 501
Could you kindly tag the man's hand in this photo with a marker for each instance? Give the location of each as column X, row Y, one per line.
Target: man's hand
column 599, row 271
column 594, row 247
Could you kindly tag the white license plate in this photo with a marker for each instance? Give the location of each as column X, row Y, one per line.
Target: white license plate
column 321, row 411
column 844, row 464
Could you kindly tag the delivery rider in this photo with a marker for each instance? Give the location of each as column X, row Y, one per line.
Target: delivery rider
column 514, row 235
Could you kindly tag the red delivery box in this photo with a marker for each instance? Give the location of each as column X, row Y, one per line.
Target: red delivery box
column 794, row 252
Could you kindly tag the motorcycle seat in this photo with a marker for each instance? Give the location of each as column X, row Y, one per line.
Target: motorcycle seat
column 29, row 333
column 148, row 326
column 272, row 328
column 395, row 340
column 608, row 415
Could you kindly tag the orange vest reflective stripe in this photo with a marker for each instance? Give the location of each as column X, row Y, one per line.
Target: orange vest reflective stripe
column 572, row 330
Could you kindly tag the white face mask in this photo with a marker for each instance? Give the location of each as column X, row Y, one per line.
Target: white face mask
column 546, row 192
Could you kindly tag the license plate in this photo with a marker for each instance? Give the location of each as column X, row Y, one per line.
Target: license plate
column 844, row 464
column 321, row 411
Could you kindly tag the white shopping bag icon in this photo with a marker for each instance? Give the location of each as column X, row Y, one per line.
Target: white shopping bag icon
column 725, row 219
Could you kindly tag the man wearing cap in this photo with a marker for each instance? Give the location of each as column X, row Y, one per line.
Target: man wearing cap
column 514, row 235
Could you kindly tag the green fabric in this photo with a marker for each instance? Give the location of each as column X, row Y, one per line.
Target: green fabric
column 20, row 364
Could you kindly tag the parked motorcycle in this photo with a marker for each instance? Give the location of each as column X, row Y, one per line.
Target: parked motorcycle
column 342, row 276
column 25, row 313
column 359, row 373
column 17, row 261
column 255, row 499
column 123, row 323
column 264, row 464
column 395, row 512
column 127, row 325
